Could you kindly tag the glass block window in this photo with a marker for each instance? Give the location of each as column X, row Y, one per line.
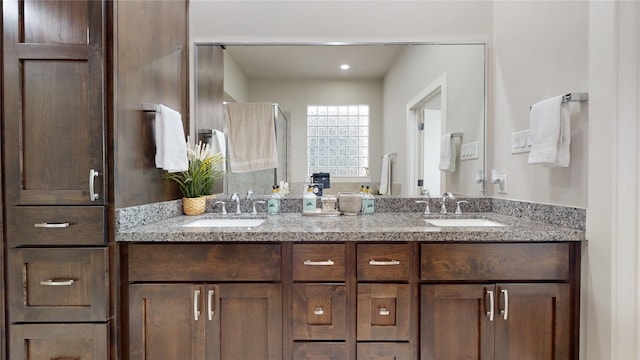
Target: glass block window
column 338, row 139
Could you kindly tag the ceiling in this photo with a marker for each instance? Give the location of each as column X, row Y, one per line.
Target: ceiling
column 314, row 61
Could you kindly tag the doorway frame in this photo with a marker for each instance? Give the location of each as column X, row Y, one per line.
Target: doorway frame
column 413, row 118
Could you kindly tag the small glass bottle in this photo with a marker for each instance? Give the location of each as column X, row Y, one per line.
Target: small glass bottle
column 309, row 200
column 273, row 204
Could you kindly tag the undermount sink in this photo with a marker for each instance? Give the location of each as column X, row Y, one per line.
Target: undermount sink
column 463, row 222
column 225, row 223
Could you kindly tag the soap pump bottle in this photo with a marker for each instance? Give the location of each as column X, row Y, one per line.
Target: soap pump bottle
column 369, row 205
column 309, row 200
column 273, row 204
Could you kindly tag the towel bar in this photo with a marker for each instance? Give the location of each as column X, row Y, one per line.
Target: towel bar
column 149, row 107
column 575, row 97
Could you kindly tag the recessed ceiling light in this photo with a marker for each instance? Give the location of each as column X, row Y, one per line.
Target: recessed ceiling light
column 344, row 66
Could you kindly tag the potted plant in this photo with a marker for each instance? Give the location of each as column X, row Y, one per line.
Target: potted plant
column 199, row 179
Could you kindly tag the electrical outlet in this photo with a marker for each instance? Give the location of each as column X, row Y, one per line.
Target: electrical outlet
column 521, row 142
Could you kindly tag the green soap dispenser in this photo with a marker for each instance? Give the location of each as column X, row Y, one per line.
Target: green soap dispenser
column 273, row 204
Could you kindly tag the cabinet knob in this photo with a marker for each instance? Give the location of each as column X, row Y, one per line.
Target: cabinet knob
column 318, row 311
column 490, row 312
column 374, row 262
column 505, row 312
column 384, row 311
column 92, row 194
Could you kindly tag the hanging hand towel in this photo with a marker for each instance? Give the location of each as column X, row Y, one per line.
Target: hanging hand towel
column 550, row 125
column 219, row 145
column 251, row 136
column 171, row 145
column 448, row 153
column 385, row 179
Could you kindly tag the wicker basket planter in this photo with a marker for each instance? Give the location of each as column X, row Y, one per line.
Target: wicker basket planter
column 194, row 206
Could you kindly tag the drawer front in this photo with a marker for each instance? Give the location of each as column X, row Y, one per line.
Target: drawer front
column 384, row 312
column 64, row 285
column 204, row 262
column 56, row 225
column 495, row 262
column 319, row 312
column 319, row 262
column 59, row 341
column 383, row 262
column 320, row 351
column 382, row 351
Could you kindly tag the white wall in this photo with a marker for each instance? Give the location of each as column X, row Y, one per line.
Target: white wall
column 611, row 284
column 295, row 95
column 413, row 71
column 540, row 50
column 236, row 84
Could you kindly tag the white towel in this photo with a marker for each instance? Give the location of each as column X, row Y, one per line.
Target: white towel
column 448, row 153
column 251, row 136
column 385, row 178
column 219, row 145
column 550, row 125
column 171, row 145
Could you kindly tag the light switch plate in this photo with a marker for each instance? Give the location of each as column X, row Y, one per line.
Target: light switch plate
column 521, row 142
column 469, row 151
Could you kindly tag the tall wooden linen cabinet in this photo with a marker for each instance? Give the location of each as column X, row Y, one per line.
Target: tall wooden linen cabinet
column 64, row 96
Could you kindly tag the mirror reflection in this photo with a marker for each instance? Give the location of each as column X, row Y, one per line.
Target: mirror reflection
column 401, row 118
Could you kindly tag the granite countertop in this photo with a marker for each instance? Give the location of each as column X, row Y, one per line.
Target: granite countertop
column 398, row 226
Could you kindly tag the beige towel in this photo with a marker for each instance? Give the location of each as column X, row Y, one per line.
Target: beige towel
column 251, row 136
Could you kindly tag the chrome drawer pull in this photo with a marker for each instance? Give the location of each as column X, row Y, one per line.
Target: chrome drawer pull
column 505, row 311
column 319, row 263
column 52, row 225
column 92, row 175
column 52, row 282
column 196, row 310
column 383, row 262
column 384, row 311
column 318, row 311
column 490, row 312
column 210, row 303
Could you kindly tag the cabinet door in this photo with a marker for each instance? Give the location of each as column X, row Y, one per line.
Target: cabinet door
column 54, row 102
column 384, row 312
column 246, row 321
column 533, row 321
column 166, row 321
column 454, row 322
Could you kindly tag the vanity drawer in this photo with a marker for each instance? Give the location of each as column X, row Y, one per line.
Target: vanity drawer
column 204, row 262
column 495, row 262
column 52, row 284
column 59, row 341
column 319, row 312
column 383, row 262
column 319, row 262
column 56, row 225
column 320, row 350
column 384, row 312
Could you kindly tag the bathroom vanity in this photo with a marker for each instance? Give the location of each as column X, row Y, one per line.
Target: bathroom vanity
column 388, row 285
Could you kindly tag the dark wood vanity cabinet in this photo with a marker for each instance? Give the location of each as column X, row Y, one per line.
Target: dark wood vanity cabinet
column 521, row 304
column 400, row 300
column 205, row 301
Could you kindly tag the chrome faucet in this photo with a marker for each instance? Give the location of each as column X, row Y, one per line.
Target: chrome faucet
column 443, row 208
column 235, row 197
column 427, row 195
column 249, row 194
column 458, row 210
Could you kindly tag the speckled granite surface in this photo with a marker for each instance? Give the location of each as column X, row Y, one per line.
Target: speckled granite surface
column 396, row 219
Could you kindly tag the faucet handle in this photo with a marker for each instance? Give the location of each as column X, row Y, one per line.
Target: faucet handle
column 458, row 211
column 427, row 210
column 254, row 212
column 249, row 193
column 224, row 207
